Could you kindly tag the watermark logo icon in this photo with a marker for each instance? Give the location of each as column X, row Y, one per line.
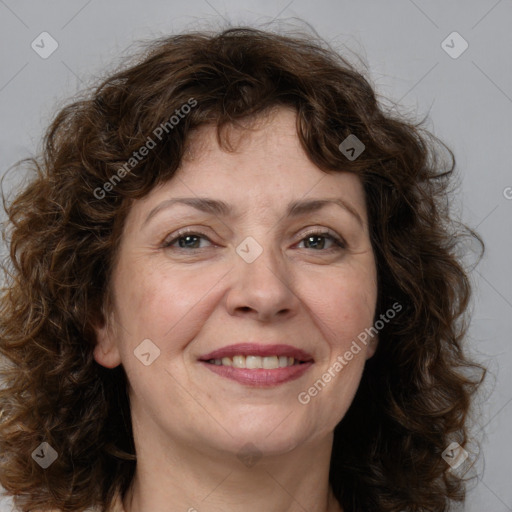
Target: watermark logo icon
column 44, row 45
column 455, row 455
column 146, row 352
column 249, row 455
column 351, row 147
column 44, row 455
column 454, row 45
column 249, row 249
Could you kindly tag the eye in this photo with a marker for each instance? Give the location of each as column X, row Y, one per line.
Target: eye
column 316, row 240
column 186, row 240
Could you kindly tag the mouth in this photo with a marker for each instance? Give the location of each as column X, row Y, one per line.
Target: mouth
column 256, row 362
column 258, row 365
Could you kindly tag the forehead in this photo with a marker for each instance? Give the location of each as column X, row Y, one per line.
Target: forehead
column 265, row 167
column 269, row 128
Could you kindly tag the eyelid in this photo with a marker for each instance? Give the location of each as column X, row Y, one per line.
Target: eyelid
column 322, row 231
column 319, row 231
column 171, row 238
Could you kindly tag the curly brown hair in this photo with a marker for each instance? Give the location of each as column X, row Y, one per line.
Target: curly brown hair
column 65, row 226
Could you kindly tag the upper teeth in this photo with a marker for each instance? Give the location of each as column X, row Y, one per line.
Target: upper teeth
column 255, row 362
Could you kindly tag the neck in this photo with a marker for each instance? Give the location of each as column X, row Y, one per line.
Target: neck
column 186, row 478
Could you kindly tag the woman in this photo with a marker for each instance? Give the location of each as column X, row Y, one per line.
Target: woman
column 234, row 285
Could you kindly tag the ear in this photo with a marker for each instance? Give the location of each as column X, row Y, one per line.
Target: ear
column 106, row 351
column 372, row 347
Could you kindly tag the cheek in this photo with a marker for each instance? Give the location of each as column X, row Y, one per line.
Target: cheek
column 342, row 304
column 162, row 304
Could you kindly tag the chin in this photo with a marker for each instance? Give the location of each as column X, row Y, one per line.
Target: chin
column 264, row 438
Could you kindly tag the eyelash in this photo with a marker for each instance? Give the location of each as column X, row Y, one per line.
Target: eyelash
column 338, row 242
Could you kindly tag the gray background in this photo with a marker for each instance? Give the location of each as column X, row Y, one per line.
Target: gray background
column 468, row 98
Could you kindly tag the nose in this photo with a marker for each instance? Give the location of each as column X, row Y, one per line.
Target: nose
column 262, row 289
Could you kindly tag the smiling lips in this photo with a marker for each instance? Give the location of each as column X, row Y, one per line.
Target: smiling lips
column 258, row 365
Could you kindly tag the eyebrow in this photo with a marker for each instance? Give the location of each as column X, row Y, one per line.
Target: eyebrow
column 222, row 209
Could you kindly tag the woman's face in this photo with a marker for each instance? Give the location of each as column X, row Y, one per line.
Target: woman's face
column 254, row 285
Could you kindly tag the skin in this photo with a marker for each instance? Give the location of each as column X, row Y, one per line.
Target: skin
column 191, row 425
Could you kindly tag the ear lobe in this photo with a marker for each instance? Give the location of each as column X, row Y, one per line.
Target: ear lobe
column 106, row 351
column 372, row 347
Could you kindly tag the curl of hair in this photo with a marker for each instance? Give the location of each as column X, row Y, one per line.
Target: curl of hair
column 416, row 391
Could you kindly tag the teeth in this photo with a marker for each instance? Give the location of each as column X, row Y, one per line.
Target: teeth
column 271, row 362
column 239, row 361
column 253, row 362
column 256, row 362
